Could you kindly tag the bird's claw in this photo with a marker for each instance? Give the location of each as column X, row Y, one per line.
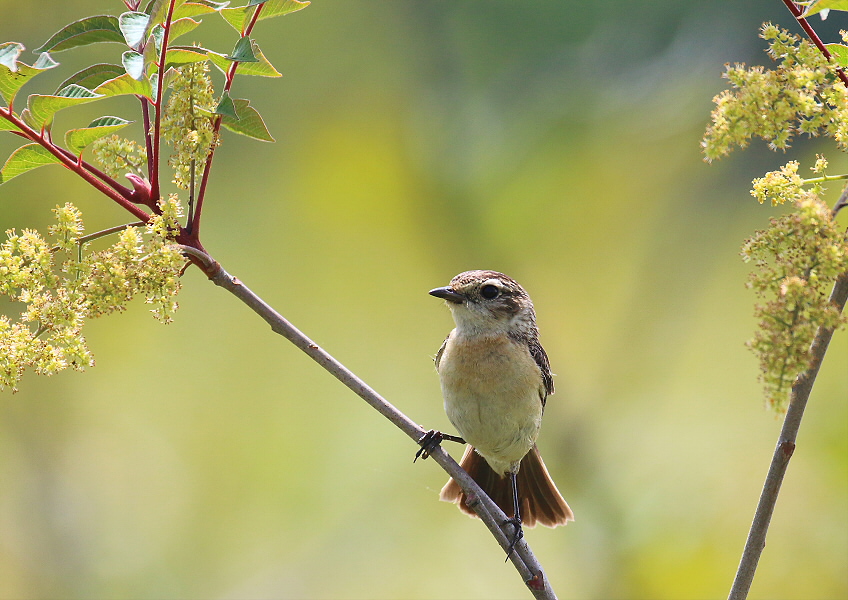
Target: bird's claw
column 519, row 533
column 430, row 440
column 428, row 443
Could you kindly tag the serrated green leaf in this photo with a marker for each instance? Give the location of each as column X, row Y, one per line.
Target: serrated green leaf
column 261, row 68
column 183, row 56
column 26, row 158
column 9, row 53
column 92, row 76
column 133, row 28
column 250, row 123
column 238, row 16
column 12, row 81
column 821, row 5
column 226, row 107
column 243, row 51
column 78, row 139
column 133, row 64
column 125, row 85
column 192, row 9
column 255, row 2
column 839, row 52
column 91, row 30
column 41, row 109
column 181, row 27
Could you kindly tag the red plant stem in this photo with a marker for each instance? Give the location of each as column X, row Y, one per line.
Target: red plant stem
column 148, row 142
column 216, row 128
column 811, row 33
column 77, row 166
column 157, row 123
column 121, row 189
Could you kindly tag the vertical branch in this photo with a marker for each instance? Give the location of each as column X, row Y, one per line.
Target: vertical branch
column 783, row 452
column 159, row 107
column 148, row 140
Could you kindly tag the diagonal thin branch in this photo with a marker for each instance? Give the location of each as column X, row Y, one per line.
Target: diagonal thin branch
column 783, row 452
column 522, row 558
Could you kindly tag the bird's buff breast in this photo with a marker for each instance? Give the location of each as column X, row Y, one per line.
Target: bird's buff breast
column 491, row 388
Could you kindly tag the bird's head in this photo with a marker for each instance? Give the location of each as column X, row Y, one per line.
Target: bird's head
column 488, row 302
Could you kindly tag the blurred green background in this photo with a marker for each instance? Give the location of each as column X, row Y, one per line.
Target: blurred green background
column 555, row 141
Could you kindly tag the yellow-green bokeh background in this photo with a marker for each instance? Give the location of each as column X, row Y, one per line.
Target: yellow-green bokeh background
column 555, row 141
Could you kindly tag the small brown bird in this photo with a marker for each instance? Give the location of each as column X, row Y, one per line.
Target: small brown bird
column 495, row 379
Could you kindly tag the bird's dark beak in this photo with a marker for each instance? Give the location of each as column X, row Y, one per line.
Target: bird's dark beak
column 446, row 293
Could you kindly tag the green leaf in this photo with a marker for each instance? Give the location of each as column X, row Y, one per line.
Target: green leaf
column 26, row 158
column 41, row 109
column 151, row 52
column 133, row 28
column 154, row 79
column 158, row 35
column 182, row 27
column 185, row 55
column 261, row 68
column 8, row 126
column 9, row 53
column 133, row 64
column 226, row 107
column 77, row 139
column 839, row 52
column 192, row 9
column 279, row 8
column 250, row 123
column 44, row 61
column 158, row 10
column 109, row 122
column 91, row 30
column 125, row 85
column 12, row 81
column 237, row 17
column 243, row 52
column 821, row 5
column 92, row 76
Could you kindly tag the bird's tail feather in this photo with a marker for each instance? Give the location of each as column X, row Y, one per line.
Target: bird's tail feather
column 540, row 499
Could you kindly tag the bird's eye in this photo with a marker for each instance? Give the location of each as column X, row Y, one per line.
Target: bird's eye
column 489, row 292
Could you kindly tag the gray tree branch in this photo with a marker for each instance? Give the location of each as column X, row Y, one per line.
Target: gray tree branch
column 783, row 452
column 522, row 557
